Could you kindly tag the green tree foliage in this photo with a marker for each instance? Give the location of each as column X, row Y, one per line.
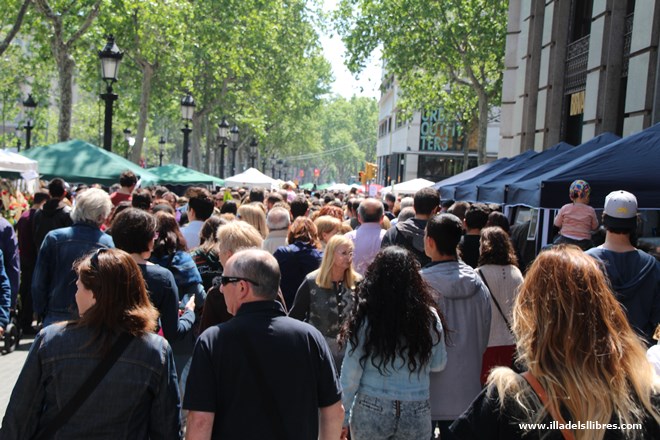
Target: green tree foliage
column 429, row 45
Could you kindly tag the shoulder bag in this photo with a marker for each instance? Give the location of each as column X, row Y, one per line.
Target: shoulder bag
column 70, row 408
column 543, row 396
column 497, row 304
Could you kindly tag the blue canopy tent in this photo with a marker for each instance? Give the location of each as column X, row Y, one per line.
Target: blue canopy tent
column 447, row 186
column 495, row 191
column 469, row 192
column 449, row 191
column 527, row 189
column 630, row 164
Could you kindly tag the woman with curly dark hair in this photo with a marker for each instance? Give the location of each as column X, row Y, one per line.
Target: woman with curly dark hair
column 498, row 268
column 394, row 338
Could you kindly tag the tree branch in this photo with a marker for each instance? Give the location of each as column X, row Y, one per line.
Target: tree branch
column 15, row 28
column 86, row 24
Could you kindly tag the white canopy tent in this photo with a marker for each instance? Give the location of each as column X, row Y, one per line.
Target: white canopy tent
column 251, row 178
column 411, row 186
column 339, row 187
column 27, row 169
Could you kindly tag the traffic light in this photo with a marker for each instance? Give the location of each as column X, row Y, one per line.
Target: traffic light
column 371, row 170
column 362, row 177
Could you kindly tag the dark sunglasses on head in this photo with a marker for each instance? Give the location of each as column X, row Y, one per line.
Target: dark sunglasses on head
column 226, row 280
column 94, row 261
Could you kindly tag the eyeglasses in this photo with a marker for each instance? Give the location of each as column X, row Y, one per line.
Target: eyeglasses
column 226, row 280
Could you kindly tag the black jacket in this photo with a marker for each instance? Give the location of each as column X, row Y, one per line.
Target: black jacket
column 54, row 215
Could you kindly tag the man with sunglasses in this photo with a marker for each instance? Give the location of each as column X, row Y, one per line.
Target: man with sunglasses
column 261, row 374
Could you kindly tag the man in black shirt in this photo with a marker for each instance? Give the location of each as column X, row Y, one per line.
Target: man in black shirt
column 476, row 218
column 261, row 374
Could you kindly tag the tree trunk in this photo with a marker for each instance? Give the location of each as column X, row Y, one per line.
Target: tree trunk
column 65, row 67
column 195, row 139
column 145, row 95
column 482, row 127
column 4, row 44
column 209, row 138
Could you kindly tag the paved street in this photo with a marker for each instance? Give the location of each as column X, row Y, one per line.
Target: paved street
column 10, row 367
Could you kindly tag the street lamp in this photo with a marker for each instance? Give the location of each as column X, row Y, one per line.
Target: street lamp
column 110, row 58
column 273, row 162
column 187, row 111
column 223, row 135
column 280, row 165
column 234, row 147
column 263, row 164
column 253, row 151
column 161, row 147
column 29, row 104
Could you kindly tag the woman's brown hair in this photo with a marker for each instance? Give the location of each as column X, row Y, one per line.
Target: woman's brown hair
column 303, row 229
column 170, row 239
column 573, row 335
column 122, row 302
column 496, row 247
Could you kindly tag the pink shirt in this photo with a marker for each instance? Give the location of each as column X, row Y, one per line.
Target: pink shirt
column 576, row 221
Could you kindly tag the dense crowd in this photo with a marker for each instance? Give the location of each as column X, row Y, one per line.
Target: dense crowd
column 250, row 313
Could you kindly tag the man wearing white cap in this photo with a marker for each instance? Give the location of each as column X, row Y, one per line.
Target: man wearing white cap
column 634, row 274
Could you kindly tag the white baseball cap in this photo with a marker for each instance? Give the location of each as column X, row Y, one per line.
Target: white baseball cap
column 620, row 210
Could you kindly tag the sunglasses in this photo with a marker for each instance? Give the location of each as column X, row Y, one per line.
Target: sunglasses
column 94, row 261
column 226, row 280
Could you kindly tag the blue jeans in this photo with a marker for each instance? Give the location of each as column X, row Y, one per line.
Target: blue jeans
column 376, row 418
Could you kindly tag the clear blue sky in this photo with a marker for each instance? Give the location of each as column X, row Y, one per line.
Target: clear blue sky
column 345, row 84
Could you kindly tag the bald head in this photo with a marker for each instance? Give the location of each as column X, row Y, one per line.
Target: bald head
column 370, row 211
column 259, row 266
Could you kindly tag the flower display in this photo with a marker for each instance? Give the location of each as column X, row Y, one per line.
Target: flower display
column 14, row 203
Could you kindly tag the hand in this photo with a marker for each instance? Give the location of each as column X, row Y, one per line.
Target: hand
column 344, row 433
column 190, row 305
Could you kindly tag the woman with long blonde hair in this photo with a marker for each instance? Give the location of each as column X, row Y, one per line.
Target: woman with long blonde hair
column 254, row 214
column 326, row 295
column 579, row 350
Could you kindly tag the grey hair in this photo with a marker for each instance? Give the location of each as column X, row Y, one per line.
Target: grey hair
column 92, row 206
column 407, row 202
column 278, row 219
column 261, row 267
column 406, row 213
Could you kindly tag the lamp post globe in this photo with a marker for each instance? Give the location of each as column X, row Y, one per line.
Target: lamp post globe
column 187, row 112
column 110, row 58
column 29, row 105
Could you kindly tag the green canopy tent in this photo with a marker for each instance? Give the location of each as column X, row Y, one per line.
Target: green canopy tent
column 307, row 186
column 173, row 174
column 78, row 161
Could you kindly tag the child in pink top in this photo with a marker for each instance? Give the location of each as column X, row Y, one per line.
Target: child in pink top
column 577, row 220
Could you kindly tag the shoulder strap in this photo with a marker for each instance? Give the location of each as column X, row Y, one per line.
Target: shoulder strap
column 69, row 409
column 269, row 404
column 497, row 304
column 543, row 396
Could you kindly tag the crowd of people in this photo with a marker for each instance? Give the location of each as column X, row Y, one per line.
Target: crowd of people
column 252, row 313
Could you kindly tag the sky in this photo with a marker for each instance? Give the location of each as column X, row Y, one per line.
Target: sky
column 345, row 83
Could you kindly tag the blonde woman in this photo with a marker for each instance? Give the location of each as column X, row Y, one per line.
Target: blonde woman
column 254, row 214
column 327, row 227
column 326, row 295
column 574, row 340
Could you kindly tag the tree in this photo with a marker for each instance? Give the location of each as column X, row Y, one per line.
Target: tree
column 18, row 21
column 428, row 45
column 67, row 22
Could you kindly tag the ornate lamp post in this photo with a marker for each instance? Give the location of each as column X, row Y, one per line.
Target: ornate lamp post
column 223, row 135
column 29, row 104
column 253, row 152
column 161, row 147
column 187, row 111
column 127, row 137
column 280, row 165
column 110, row 58
column 234, row 147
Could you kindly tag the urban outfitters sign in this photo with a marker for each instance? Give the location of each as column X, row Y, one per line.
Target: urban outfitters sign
column 438, row 135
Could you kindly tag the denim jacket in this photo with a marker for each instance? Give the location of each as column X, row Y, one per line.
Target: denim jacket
column 397, row 383
column 54, row 280
column 137, row 399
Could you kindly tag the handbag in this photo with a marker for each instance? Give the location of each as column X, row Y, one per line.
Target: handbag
column 543, row 396
column 70, row 408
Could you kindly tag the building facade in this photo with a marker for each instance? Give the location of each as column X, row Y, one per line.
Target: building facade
column 577, row 68
column 423, row 146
